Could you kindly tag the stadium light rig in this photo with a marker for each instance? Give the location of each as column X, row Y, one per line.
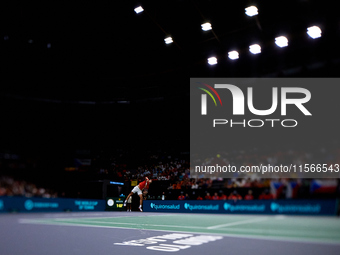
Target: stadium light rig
column 139, row 9
column 206, row 26
column 168, row 40
column 212, row 61
column 314, row 32
column 233, row 55
column 281, row 41
column 251, row 11
column 255, row 48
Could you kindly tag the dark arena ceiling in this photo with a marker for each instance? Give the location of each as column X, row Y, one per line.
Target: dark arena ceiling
column 103, row 51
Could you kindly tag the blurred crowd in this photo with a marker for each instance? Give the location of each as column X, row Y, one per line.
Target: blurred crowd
column 173, row 171
column 234, row 195
column 12, row 187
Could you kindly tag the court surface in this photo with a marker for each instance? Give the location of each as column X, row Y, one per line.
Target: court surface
column 161, row 233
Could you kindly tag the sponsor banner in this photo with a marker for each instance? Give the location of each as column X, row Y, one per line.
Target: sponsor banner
column 288, row 207
column 23, row 204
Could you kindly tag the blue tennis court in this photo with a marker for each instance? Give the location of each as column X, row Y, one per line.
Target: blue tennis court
column 137, row 233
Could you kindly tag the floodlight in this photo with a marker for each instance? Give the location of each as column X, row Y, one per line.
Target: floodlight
column 139, row 9
column 206, row 26
column 281, row 41
column 251, row 11
column 255, row 49
column 233, row 54
column 314, row 32
column 212, row 61
column 168, row 40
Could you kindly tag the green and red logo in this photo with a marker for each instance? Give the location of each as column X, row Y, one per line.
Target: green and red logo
column 204, row 97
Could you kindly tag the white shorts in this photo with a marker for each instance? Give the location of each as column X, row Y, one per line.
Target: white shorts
column 137, row 189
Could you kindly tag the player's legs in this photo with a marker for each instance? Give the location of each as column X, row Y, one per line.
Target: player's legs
column 140, row 202
column 134, row 190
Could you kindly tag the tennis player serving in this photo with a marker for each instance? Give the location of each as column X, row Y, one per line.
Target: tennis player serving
column 139, row 189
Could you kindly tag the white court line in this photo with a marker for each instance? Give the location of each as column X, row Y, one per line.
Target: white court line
column 79, row 221
column 275, row 232
column 256, row 231
column 237, row 223
column 272, row 238
column 106, row 217
column 124, row 223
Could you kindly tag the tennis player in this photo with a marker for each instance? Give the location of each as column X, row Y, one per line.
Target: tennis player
column 139, row 190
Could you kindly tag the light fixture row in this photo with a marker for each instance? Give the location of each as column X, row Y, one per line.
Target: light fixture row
column 281, row 41
column 250, row 11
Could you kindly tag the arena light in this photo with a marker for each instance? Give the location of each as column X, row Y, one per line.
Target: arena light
column 168, row 40
column 251, row 11
column 233, row 54
column 281, row 41
column 139, row 9
column 255, row 48
column 314, row 32
column 206, row 26
column 212, row 61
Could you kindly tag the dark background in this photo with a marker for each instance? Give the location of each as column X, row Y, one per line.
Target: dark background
column 98, row 77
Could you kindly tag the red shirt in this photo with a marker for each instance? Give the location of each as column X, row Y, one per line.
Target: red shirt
column 199, row 198
column 181, row 197
column 142, row 185
column 266, row 196
column 249, row 197
column 215, row 198
column 223, row 197
column 234, row 197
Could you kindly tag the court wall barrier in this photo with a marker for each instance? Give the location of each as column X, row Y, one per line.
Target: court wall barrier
column 275, row 207
column 23, row 204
